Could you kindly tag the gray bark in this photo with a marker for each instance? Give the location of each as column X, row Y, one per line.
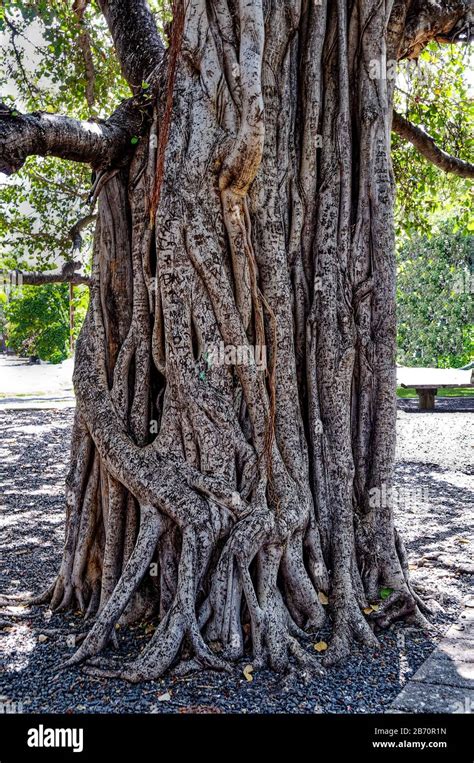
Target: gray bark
column 136, row 39
column 257, row 212
column 101, row 143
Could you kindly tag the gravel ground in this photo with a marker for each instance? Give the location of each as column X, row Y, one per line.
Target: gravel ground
column 435, row 502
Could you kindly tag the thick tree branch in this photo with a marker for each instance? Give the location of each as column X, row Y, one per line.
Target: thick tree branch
column 425, row 144
column 99, row 143
column 441, row 20
column 137, row 43
column 67, row 274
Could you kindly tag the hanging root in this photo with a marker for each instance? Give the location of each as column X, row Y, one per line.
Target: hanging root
column 180, row 621
column 131, row 578
column 273, row 630
column 349, row 624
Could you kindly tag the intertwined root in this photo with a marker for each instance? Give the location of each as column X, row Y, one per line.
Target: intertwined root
column 213, row 633
column 260, row 596
column 128, row 584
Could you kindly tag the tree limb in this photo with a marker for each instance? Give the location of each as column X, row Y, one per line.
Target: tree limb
column 67, row 274
column 426, row 145
column 137, row 43
column 445, row 21
column 99, row 143
column 84, row 44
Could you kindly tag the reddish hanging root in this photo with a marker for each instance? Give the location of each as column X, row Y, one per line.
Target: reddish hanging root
column 179, row 14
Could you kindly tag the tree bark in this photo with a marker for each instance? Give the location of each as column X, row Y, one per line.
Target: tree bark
column 137, row 43
column 223, row 493
column 101, row 143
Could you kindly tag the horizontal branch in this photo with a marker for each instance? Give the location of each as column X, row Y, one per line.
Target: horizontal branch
column 138, row 45
column 426, row 145
column 68, row 274
column 99, row 143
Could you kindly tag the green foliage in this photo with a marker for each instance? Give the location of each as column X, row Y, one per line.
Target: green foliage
column 435, row 300
column 3, row 317
column 38, row 320
column 42, row 67
column 434, row 94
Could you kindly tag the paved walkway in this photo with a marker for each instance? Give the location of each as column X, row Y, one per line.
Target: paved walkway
column 27, row 386
column 445, row 682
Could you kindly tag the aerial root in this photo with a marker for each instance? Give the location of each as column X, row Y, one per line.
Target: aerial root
column 349, row 623
column 305, row 659
column 131, row 578
column 400, row 605
column 44, row 597
column 178, row 624
column 303, row 600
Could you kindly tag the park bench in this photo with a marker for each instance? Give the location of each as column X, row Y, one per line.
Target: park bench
column 427, row 381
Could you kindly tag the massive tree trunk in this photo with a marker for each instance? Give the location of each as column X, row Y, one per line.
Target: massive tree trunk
column 235, row 377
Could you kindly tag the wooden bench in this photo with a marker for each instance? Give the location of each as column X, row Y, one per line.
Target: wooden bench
column 427, row 381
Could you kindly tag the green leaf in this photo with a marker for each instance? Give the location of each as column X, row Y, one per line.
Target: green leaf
column 134, row 140
column 385, row 592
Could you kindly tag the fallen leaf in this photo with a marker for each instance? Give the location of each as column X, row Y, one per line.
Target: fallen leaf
column 42, row 638
column 462, row 540
column 164, row 697
column 150, row 628
column 374, row 607
column 367, row 611
column 247, row 671
column 323, row 598
column 412, row 566
column 321, row 646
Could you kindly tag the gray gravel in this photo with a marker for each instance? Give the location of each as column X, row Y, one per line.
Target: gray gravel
column 434, row 477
